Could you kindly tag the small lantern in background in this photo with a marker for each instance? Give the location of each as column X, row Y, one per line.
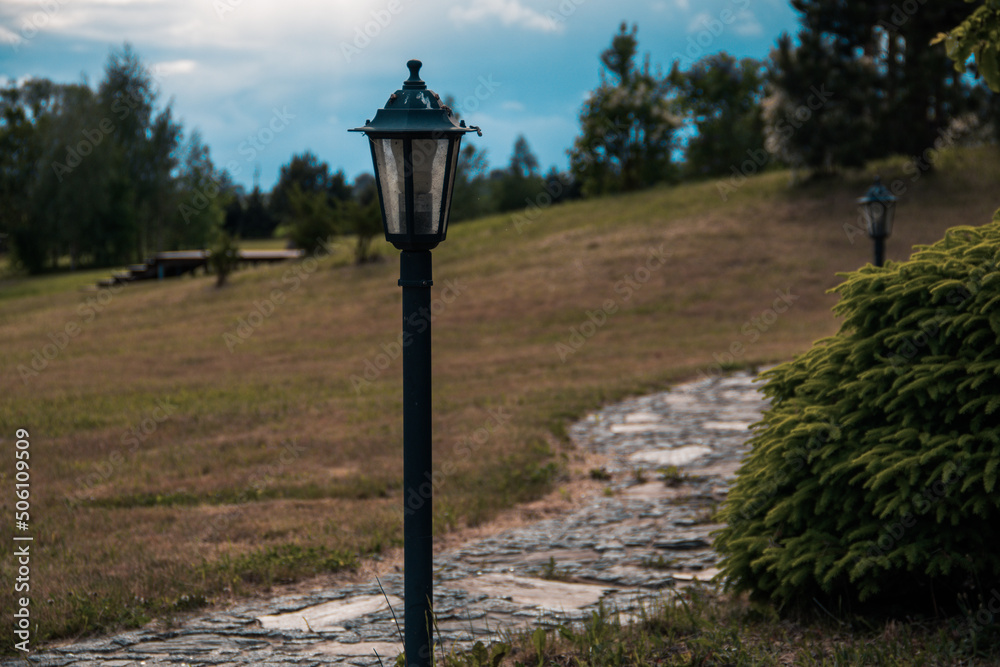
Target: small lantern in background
column 878, row 208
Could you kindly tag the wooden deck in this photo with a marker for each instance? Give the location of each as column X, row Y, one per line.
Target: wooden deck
column 177, row 263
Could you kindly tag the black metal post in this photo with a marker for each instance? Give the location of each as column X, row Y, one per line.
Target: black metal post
column 415, row 279
column 879, row 250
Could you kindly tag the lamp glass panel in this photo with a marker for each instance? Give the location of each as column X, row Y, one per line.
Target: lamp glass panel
column 890, row 211
column 389, row 164
column 429, row 158
column 875, row 218
column 450, row 186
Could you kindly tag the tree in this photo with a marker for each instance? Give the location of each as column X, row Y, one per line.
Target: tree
column 158, row 191
column 248, row 217
column 523, row 163
column 818, row 126
column 362, row 216
column 520, row 183
column 145, row 153
column 258, row 223
column 626, row 125
column 22, row 110
column 472, row 197
column 311, row 175
column 204, row 193
column 223, row 256
column 721, row 97
column 96, row 176
column 862, row 83
column 561, row 186
column 311, row 219
column 72, row 196
column 978, row 37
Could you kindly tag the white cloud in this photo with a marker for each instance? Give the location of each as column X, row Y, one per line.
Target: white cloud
column 510, row 12
column 699, row 21
column 660, row 6
column 512, row 105
column 747, row 24
column 172, row 67
column 9, row 36
column 742, row 22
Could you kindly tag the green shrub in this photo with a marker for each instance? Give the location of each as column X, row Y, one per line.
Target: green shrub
column 873, row 475
column 224, row 257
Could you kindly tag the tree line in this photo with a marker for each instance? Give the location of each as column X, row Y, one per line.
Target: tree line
column 101, row 176
column 859, row 82
column 106, row 177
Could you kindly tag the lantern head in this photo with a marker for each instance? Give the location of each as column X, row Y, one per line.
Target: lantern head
column 878, row 207
column 415, row 143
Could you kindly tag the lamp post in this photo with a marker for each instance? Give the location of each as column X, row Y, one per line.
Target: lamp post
column 415, row 144
column 878, row 208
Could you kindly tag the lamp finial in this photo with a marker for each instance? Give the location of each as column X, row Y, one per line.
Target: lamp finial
column 414, row 80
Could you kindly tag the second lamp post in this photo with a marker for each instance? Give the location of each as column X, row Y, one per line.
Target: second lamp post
column 415, row 145
column 878, row 208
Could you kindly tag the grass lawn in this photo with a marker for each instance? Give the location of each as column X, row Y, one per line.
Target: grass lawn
column 188, row 443
column 700, row 626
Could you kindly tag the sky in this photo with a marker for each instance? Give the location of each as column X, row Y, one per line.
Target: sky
column 263, row 80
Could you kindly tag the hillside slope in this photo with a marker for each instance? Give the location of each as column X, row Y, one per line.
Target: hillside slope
column 187, row 441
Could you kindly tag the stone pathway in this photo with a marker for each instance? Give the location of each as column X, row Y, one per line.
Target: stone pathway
column 670, row 458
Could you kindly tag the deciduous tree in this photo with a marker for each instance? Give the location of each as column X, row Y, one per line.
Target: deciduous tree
column 627, row 125
column 721, row 97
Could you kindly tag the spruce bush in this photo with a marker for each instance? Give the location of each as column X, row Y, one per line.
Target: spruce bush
column 872, row 478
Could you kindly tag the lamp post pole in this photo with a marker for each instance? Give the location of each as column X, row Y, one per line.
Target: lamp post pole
column 878, row 209
column 415, row 144
column 879, row 250
column 415, row 279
